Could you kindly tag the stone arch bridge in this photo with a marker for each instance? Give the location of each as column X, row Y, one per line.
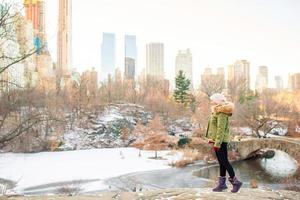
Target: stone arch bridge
column 245, row 148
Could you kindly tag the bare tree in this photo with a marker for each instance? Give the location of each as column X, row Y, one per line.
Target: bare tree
column 80, row 99
column 19, row 112
column 237, row 89
column 153, row 136
column 290, row 99
column 9, row 17
column 130, row 93
column 213, row 85
column 263, row 114
column 202, row 113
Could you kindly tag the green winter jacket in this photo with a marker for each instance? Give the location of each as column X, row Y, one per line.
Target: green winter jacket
column 218, row 125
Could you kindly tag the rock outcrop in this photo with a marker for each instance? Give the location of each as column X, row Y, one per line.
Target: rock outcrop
column 178, row 194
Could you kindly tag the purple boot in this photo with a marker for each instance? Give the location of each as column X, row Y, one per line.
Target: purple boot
column 222, row 185
column 236, row 184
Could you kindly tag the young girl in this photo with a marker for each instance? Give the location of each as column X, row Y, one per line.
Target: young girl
column 218, row 135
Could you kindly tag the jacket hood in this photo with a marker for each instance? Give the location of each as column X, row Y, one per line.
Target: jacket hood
column 226, row 108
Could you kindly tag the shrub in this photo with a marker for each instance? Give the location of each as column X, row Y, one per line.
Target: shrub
column 183, row 141
column 70, row 189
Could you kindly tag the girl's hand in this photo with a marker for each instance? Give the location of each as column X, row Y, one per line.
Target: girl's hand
column 211, row 142
column 216, row 148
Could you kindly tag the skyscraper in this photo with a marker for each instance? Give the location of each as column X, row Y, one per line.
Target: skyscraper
column 108, row 56
column 278, row 83
column 35, row 13
column 184, row 63
column 130, row 56
column 294, row 81
column 12, row 77
column 239, row 73
column 64, row 38
column 262, row 79
column 155, row 61
column 221, row 71
column 206, row 76
column 24, row 37
column 129, row 68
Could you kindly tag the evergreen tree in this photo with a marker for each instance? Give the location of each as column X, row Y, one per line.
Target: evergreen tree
column 181, row 93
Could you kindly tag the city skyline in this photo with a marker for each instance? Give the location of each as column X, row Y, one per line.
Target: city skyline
column 213, row 52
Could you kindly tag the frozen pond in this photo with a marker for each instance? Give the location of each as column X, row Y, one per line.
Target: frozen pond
column 47, row 172
column 123, row 169
column 272, row 172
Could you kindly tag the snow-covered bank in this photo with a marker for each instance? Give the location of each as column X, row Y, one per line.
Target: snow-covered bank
column 35, row 170
column 104, row 129
column 281, row 165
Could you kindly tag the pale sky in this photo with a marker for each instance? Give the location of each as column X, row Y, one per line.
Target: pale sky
column 218, row 32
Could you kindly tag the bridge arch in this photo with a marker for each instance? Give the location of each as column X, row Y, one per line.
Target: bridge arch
column 246, row 147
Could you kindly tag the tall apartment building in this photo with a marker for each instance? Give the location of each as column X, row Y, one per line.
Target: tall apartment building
column 239, row 73
column 213, row 80
column 262, row 81
column 184, row 63
column 64, row 38
column 35, row 13
column 294, row 81
column 155, row 61
column 130, row 56
column 278, row 83
column 108, row 56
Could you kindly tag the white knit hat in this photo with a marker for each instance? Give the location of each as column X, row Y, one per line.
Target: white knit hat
column 218, row 98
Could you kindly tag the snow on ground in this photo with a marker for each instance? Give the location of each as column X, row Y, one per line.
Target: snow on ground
column 242, row 130
column 279, row 131
column 281, row 165
column 30, row 170
column 111, row 115
column 103, row 130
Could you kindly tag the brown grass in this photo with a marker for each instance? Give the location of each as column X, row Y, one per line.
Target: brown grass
column 182, row 163
column 69, row 190
column 192, row 154
column 199, row 133
column 197, row 141
column 172, row 152
column 189, row 157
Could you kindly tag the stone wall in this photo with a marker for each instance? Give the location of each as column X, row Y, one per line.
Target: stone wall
column 246, row 147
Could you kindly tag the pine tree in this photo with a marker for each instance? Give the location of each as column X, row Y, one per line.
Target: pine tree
column 181, row 93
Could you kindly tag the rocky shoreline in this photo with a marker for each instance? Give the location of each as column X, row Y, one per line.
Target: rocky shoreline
column 176, row 194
